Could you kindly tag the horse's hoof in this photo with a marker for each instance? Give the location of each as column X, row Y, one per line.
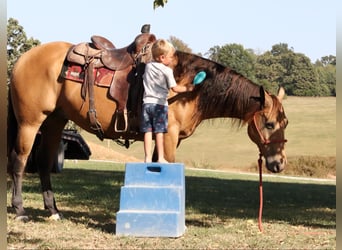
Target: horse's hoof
column 22, row 218
column 56, row 217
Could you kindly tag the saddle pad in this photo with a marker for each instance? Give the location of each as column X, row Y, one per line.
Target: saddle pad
column 103, row 76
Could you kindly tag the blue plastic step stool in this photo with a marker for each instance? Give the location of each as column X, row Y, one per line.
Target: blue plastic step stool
column 152, row 201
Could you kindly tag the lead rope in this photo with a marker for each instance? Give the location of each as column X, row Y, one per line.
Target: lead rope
column 265, row 142
column 260, row 193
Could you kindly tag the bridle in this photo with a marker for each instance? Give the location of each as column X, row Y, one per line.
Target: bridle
column 264, row 142
column 262, row 137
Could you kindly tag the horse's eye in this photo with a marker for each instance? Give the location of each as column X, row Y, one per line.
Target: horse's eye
column 269, row 125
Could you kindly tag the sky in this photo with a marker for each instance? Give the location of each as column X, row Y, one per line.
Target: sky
column 307, row 26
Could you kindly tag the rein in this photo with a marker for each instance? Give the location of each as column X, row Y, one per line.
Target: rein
column 260, row 193
column 265, row 142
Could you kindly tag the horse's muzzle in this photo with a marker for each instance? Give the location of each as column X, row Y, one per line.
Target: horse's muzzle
column 275, row 165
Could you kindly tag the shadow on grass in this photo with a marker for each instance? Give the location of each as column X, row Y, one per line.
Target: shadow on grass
column 13, row 236
column 293, row 203
column 92, row 197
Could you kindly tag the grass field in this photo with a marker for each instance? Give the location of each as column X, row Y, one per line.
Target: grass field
column 221, row 212
column 221, row 207
column 217, row 145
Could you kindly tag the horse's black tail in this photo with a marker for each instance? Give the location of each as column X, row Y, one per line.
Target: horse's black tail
column 12, row 126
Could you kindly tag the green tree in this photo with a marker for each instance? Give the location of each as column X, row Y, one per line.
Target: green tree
column 213, row 53
column 326, row 60
column 236, row 57
column 326, row 71
column 301, row 78
column 269, row 71
column 179, row 44
column 294, row 71
column 158, row 3
column 17, row 44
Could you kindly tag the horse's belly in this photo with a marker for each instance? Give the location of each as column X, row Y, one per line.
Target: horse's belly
column 76, row 108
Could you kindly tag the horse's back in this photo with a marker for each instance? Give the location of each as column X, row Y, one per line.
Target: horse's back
column 34, row 82
column 40, row 60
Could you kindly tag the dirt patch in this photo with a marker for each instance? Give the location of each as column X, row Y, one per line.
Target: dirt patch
column 307, row 166
column 100, row 152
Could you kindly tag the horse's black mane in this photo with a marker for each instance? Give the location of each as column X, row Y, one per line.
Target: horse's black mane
column 224, row 93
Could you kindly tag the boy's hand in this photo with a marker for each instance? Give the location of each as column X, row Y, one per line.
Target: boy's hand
column 190, row 87
column 183, row 88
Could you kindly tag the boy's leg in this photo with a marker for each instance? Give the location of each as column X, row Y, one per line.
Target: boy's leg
column 160, row 147
column 148, row 146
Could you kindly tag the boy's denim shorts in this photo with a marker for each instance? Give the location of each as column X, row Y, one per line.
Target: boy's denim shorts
column 154, row 118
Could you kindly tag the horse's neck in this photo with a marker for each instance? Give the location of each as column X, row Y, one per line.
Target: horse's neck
column 240, row 104
column 245, row 116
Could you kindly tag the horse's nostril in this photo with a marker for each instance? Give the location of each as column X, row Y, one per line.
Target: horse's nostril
column 276, row 168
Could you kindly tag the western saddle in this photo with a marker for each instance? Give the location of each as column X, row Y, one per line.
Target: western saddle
column 123, row 62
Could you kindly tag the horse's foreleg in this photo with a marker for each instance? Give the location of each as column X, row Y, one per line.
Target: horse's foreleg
column 171, row 139
column 50, row 139
column 16, row 166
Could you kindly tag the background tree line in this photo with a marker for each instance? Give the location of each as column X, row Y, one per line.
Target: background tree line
column 280, row 66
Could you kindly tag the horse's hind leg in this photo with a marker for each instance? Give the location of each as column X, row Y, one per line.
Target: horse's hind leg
column 50, row 138
column 16, row 165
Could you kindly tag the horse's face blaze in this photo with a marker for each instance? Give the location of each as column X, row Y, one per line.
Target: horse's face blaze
column 267, row 130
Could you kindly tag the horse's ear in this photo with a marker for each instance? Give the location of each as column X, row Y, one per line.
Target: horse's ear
column 262, row 97
column 281, row 93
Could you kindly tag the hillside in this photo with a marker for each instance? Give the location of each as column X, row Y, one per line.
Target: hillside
column 217, row 145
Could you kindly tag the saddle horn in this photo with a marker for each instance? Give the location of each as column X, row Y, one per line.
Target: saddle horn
column 145, row 28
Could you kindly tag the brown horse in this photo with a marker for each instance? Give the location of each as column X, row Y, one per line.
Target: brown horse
column 39, row 99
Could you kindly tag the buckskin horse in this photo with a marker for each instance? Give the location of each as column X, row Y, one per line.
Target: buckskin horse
column 41, row 99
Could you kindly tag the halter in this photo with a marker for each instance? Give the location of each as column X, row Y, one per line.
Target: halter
column 263, row 139
column 264, row 142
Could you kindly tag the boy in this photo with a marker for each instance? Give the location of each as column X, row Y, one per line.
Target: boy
column 158, row 79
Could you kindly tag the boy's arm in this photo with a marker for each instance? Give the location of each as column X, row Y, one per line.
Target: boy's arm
column 183, row 88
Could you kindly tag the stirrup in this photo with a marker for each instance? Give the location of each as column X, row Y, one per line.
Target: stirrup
column 117, row 115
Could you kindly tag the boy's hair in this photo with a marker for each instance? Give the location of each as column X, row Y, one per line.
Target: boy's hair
column 161, row 47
